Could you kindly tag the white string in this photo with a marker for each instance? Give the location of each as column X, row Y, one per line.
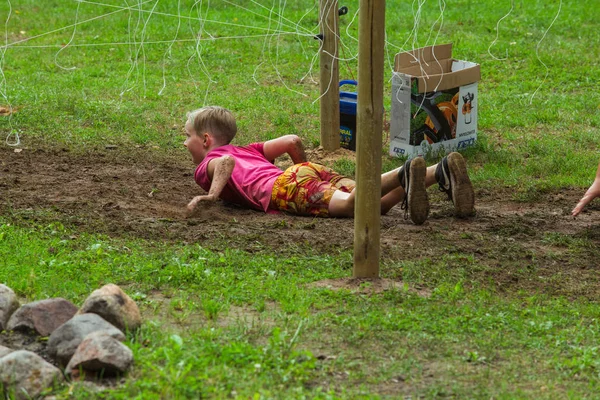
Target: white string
column 313, row 58
column 340, row 43
column 198, row 49
column 442, row 5
column 287, row 20
column 268, row 44
column 413, row 34
column 70, row 41
column 67, row 27
column 512, row 4
column 262, row 55
column 17, row 43
column 282, row 8
column 291, row 26
column 143, row 47
column 140, row 49
column 537, row 52
column 3, row 86
column 168, row 53
column 352, row 23
column 111, row 44
column 278, row 27
column 132, row 34
column 138, row 22
column 329, row 30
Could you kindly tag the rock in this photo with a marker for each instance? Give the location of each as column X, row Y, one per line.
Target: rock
column 4, row 351
column 25, row 375
column 112, row 304
column 42, row 316
column 8, row 305
column 64, row 340
column 100, row 353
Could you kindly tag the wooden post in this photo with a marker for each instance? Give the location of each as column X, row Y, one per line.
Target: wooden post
column 330, row 75
column 367, row 224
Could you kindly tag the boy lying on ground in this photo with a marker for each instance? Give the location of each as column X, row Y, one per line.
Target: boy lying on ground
column 246, row 175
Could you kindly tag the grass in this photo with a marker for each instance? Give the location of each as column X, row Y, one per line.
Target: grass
column 233, row 324
column 230, row 324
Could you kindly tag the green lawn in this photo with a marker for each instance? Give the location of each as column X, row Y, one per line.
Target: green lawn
column 231, row 323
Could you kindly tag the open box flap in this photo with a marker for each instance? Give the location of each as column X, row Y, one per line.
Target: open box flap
column 435, row 69
column 424, row 55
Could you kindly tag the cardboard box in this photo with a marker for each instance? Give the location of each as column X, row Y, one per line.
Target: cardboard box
column 434, row 102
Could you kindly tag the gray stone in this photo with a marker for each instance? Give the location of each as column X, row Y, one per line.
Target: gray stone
column 4, row 351
column 100, row 353
column 112, row 304
column 25, row 375
column 64, row 340
column 43, row 316
column 8, row 305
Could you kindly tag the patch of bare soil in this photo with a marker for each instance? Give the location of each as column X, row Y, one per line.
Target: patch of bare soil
column 369, row 286
column 142, row 194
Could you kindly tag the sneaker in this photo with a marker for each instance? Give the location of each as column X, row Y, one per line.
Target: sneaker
column 452, row 178
column 412, row 179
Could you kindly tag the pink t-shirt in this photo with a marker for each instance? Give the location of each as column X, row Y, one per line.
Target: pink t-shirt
column 252, row 179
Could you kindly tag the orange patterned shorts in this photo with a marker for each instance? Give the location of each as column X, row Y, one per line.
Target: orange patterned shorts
column 306, row 189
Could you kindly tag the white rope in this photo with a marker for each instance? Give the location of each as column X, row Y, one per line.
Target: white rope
column 537, row 48
column 66, row 27
column 329, row 30
column 512, row 5
column 150, row 42
column 13, row 138
column 167, row 53
column 69, row 42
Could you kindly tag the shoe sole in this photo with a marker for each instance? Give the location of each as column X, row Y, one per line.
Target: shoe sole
column 418, row 203
column 462, row 189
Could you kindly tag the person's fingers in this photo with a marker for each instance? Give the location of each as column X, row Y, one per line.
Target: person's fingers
column 585, row 200
column 191, row 207
column 192, row 204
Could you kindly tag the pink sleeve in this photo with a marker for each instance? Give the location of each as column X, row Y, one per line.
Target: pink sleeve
column 259, row 146
column 201, row 175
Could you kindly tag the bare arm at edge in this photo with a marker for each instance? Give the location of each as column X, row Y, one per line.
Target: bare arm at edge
column 290, row 144
column 590, row 194
column 219, row 171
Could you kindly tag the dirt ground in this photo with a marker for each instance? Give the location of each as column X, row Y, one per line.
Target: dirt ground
column 142, row 193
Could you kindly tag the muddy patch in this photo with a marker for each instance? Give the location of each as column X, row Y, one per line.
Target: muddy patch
column 511, row 245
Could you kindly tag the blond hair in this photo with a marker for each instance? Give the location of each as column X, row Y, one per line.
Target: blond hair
column 218, row 121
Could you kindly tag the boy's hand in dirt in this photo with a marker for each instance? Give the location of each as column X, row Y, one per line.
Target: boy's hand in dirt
column 591, row 194
column 194, row 207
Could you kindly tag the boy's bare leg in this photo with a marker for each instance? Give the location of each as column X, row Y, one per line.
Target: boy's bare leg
column 391, row 199
column 342, row 204
column 390, row 181
column 451, row 174
column 430, row 178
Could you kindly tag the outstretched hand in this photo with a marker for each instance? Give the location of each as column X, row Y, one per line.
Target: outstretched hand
column 591, row 194
column 194, row 207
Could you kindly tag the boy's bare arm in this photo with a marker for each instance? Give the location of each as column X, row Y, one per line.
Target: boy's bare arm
column 592, row 193
column 290, row 144
column 219, row 171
